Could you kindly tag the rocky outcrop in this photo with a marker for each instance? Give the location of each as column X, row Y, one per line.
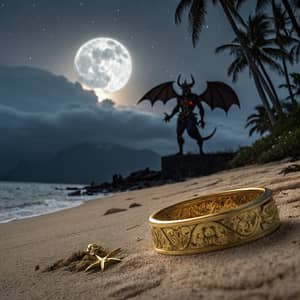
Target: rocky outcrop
column 192, row 165
column 136, row 180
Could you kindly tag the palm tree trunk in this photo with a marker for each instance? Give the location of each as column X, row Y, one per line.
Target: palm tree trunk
column 292, row 16
column 270, row 94
column 268, row 86
column 280, row 44
column 252, row 65
column 287, row 79
column 264, row 100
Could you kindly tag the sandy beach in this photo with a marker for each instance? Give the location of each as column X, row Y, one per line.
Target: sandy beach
column 268, row 268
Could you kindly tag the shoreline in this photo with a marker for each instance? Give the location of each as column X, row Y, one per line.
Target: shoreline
column 21, row 200
column 246, row 271
column 77, row 203
column 43, row 214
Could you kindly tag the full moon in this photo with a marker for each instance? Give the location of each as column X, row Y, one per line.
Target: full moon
column 103, row 63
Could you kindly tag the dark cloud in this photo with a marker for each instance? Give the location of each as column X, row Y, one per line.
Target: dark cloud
column 107, row 104
column 33, row 90
column 51, row 113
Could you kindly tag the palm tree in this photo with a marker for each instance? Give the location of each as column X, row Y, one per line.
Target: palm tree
column 289, row 107
column 295, row 85
column 295, row 51
column 257, row 32
column 290, row 8
column 257, row 29
column 259, row 121
column 196, row 17
column 290, row 12
column 239, row 63
column 284, row 40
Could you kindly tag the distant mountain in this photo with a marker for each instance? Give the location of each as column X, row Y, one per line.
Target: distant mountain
column 84, row 163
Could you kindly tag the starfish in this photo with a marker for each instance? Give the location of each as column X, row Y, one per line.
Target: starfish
column 102, row 261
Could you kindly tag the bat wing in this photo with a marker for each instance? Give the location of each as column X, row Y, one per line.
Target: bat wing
column 163, row 92
column 219, row 94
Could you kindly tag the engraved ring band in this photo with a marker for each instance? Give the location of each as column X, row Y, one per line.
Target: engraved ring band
column 215, row 221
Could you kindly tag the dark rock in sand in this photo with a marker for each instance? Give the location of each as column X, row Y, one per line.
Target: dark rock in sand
column 134, row 205
column 290, row 169
column 76, row 193
column 114, row 210
column 136, row 180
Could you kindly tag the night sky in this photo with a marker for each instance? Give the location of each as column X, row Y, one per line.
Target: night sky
column 46, row 35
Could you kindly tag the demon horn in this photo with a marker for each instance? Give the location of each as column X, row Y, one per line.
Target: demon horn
column 178, row 80
column 193, row 81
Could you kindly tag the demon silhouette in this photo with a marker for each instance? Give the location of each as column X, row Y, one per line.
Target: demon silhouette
column 217, row 94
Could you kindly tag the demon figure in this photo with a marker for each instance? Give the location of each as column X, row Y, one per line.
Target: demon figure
column 217, row 94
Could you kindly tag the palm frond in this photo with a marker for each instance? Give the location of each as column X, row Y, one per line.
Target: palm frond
column 261, row 4
column 258, row 121
column 239, row 4
column 197, row 18
column 252, row 130
column 275, row 52
column 232, row 48
column 236, row 67
column 283, row 85
column 252, row 122
column 272, row 64
column 295, row 53
column 182, row 6
column 254, row 115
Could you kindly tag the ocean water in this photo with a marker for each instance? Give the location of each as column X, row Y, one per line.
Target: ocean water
column 19, row 200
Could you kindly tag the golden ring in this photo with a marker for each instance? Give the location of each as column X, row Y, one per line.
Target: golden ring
column 215, row 221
